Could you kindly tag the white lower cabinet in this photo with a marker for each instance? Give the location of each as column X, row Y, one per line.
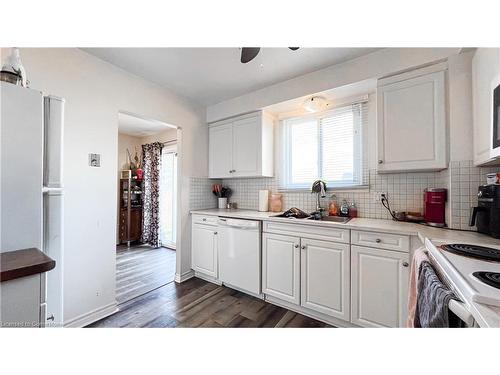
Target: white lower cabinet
column 325, row 277
column 310, row 273
column 204, row 249
column 379, row 287
column 281, row 267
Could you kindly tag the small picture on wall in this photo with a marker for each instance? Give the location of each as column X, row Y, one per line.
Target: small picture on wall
column 95, row 160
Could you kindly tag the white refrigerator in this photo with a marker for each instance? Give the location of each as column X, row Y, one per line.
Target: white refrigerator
column 31, row 184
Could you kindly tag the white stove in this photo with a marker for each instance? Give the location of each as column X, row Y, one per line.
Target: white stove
column 466, row 267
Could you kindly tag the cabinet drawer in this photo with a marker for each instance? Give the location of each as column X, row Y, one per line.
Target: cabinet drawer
column 387, row 241
column 308, row 231
column 205, row 219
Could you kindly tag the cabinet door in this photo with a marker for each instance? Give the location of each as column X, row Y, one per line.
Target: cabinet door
column 485, row 67
column 379, row 284
column 204, row 250
column 281, row 267
column 325, row 277
column 411, row 126
column 135, row 224
column 220, row 151
column 247, row 147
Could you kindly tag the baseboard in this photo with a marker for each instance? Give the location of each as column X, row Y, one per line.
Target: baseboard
column 311, row 314
column 92, row 316
column 185, row 276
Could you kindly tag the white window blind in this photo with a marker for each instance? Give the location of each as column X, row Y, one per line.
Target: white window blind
column 329, row 146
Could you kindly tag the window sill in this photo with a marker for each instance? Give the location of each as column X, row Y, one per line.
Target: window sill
column 343, row 189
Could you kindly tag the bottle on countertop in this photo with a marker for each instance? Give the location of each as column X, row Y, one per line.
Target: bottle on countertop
column 353, row 210
column 344, row 208
column 333, row 209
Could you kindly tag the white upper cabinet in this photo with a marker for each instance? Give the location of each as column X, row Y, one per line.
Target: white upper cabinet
column 242, row 147
column 221, row 145
column 485, row 67
column 411, row 121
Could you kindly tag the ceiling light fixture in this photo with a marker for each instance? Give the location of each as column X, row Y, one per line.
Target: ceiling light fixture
column 315, row 104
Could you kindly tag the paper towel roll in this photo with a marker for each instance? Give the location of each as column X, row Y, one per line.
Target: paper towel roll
column 263, row 200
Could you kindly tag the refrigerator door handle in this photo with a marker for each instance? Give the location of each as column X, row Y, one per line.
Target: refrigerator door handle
column 53, row 141
column 52, row 190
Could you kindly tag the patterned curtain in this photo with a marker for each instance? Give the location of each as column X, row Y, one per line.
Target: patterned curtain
column 151, row 156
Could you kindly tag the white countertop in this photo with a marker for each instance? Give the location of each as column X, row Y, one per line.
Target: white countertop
column 488, row 316
column 374, row 225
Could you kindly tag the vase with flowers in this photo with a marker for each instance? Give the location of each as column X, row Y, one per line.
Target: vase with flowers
column 135, row 164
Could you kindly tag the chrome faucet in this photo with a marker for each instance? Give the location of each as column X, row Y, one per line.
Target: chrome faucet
column 319, row 187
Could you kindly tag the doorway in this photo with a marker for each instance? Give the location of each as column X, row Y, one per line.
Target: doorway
column 168, row 195
column 146, row 206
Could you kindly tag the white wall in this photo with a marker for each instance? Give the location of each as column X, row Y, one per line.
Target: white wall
column 95, row 91
column 460, row 106
column 165, row 136
column 373, row 65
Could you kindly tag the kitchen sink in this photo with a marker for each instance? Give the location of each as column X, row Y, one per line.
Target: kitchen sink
column 334, row 219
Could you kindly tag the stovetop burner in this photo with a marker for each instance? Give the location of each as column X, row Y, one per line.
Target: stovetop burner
column 490, row 278
column 473, row 251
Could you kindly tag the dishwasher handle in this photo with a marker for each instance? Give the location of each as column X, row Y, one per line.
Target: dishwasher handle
column 239, row 224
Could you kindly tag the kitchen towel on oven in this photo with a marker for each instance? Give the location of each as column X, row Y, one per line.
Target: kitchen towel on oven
column 418, row 257
column 432, row 301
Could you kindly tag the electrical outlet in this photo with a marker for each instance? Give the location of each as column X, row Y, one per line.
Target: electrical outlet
column 379, row 195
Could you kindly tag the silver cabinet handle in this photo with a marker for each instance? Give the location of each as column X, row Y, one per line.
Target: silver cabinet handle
column 296, row 246
column 405, row 264
column 378, row 240
column 380, row 161
column 303, row 247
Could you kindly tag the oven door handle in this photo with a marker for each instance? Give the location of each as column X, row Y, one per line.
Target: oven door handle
column 458, row 308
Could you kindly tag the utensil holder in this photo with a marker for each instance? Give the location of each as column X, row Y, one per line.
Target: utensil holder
column 222, row 202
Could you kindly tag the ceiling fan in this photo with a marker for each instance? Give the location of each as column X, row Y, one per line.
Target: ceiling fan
column 249, row 53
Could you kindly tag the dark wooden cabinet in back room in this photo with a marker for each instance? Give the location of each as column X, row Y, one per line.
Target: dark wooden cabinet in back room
column 130, row 207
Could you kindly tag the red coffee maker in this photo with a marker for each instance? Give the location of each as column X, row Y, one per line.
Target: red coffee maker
column 434, row 207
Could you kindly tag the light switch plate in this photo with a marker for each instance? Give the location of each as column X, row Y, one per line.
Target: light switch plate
column 95, row 160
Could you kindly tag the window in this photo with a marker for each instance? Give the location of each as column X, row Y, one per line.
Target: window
column 327, row 146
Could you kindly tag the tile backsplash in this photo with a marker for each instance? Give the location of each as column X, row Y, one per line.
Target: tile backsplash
column 405, row 191
column 200, row 193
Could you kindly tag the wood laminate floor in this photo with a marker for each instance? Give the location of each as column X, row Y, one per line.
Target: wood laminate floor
column 140, row 269
column 197, row 303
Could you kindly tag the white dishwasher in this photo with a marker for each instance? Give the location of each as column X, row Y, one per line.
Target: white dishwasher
column 239, row 254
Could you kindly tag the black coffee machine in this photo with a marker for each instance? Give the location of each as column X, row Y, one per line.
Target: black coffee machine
column 486, row 216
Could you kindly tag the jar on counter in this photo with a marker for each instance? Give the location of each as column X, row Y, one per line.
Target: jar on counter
column 276, row 202
column 333, row 209
column 344, row 208
column 353, row 210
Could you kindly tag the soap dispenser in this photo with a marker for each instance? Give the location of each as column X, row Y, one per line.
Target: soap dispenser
column 344, row 208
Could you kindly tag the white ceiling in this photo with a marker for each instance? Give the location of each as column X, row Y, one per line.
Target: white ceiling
column 139, row 127
column 211, row 75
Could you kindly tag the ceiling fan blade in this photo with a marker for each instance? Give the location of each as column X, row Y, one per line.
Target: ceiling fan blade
column 294, row 48
column 249, row 53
